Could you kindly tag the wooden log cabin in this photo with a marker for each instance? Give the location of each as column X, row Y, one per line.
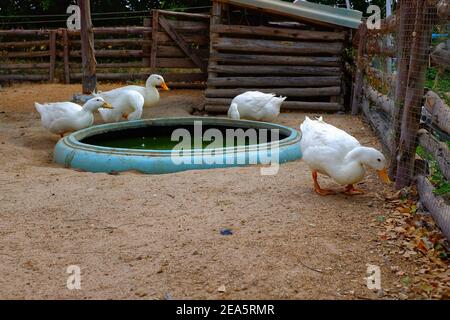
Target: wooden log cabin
column 293, row 50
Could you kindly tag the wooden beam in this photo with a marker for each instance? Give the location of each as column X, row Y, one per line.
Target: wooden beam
column 154, row 49
column 216, row 19
column 147, row 43
column 184, row 46
column 380, row 100
column 360, row 67
column 26, row 77
column 89, row 81
column 441, row 56
column 216, row 107
column 414, row 94
column 66, row 57
column 273, row 46
column 52, row 49
column 276, row 70
column 278, row 32
column 185, row 15
column 435, row 204
column 288, row 92
column 21, row 66
column 439, row 151
column 275, row 81
column 439, row 110
column 257, row 59
column 405, row 27
column 443, row 9
column 379, row 123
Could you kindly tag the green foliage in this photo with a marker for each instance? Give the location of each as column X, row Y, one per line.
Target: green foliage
column 439, row 81
column 442, row 186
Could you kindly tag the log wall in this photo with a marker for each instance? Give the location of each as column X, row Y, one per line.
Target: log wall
column 302, row 62
column 175, row 45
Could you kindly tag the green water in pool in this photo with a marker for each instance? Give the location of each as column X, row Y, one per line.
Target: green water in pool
column 160, row 138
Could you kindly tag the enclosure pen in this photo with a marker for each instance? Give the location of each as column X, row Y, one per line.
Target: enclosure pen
column 392, row 101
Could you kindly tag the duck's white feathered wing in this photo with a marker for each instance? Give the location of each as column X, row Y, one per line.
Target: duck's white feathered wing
column 55, row 111
column 252, row 103
column 322, row 143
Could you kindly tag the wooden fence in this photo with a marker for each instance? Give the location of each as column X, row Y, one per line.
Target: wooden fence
column 381, row 97
column 174, row 44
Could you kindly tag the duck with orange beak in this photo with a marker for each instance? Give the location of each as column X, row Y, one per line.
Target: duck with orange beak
column 333, row 152
column 150, row 93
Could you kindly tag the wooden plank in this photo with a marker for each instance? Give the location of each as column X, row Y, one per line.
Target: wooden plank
column 190, row 26
column 380, row 100
column 273, row 46
column 414, row 94
column 274, row 60
column 185, row 15
column 288, row 92
column 116, row 42
column 192, row 38
column 147, row 43
column 111, row 53
column 287, row 105
column 175, row 63
column 168, row 77
column 435, row 204
column 30, row 54
column 66, row 56
column 176, row 52
column 89, row 81
column 26, row 77
column 52, row 46
column 21, row 66
column 276, row 70
column 113, row 30
column 359, row 76
column 24, row 44
column 441, row 56
column 216, row 18
column 275, row 81
column 184, row 46
column 21, row 32
column 278, row 32
column 439, row 151
column 154, row 48
column 439, row 110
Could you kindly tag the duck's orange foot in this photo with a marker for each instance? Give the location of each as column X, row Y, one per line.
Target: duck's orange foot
column 352, row 191
column 324, row 192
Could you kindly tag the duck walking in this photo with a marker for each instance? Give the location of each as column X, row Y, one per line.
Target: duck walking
column 333, row 152
column 63, row 117
column 128, row 106
column 255, row 105
column 149, row 92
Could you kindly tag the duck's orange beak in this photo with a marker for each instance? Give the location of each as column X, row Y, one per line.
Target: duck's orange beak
column 384, row 176
column 164, row 86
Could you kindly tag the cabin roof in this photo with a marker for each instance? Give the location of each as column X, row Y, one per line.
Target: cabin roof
column 313, row 12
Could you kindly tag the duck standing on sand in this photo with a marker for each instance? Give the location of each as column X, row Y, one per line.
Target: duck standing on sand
column 64, row 117
column 333, row 152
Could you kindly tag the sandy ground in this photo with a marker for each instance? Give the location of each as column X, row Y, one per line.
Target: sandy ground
column 157, row 236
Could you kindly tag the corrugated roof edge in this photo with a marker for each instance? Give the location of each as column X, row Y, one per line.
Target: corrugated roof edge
column 308, row 10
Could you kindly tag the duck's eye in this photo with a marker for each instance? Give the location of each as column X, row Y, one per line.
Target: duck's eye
column 379, row 160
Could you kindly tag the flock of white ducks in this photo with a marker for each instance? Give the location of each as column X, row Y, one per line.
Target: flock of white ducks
column 326, row 149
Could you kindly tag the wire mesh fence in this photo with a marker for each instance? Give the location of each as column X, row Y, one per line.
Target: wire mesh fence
column 406, row 93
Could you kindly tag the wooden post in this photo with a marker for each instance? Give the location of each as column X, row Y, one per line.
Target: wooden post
column 66, row 57
column 87, row 48
column 146, row 47
column 414, row 93
column 360, row 64
column 216, row 19
column 405, row 30
column 52, row 46
column 155, row 28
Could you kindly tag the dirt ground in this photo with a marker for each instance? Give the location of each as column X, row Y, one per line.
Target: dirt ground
column 140, row 236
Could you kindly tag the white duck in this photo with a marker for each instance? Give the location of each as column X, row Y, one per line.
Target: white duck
column 64, row 117
column 149, row 92
column 333, row 152
column 255, row 105
column 128, row 106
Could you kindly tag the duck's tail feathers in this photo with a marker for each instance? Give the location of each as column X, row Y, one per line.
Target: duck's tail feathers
column 39, row 107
